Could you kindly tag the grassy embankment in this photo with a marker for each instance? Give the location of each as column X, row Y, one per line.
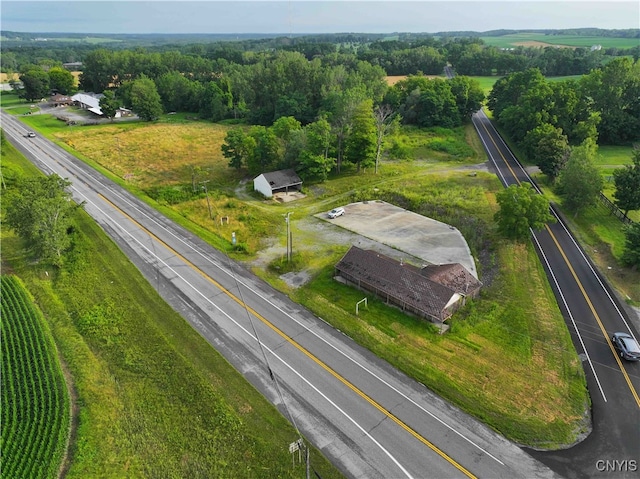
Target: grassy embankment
column 154, row 398
column 508, row 358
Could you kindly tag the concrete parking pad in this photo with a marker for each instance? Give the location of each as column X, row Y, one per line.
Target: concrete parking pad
column 425, row 238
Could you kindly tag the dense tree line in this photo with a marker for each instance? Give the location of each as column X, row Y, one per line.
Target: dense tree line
column 558, row 125
column 38, row 83
column 603, row 105
column 408, row 54
column 437, row 102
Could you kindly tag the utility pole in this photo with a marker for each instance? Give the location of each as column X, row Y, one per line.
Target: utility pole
column 287, row 220
column 206, row 192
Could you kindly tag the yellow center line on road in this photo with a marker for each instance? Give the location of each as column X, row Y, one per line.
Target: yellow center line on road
column 634, row 393
column 301, row 348
column 597, row 317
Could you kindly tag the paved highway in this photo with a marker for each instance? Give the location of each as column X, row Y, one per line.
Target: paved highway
column 369, row 419
column 592, row 313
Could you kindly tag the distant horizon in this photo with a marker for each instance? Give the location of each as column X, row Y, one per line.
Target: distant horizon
column 309, row 17
column 299, row 34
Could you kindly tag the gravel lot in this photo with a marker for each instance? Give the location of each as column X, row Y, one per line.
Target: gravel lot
column 382, row 227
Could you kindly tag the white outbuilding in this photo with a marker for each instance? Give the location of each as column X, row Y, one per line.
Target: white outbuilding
column 281, row 181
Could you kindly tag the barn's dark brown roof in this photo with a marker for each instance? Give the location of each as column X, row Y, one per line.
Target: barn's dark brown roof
column 454, row 276
column 403, row 283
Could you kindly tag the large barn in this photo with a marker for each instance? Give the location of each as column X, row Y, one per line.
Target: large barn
column 434, row 292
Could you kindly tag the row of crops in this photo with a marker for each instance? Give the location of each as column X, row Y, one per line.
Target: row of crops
column 35, row 401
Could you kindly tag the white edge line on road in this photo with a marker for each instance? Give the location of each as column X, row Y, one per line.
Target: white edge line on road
column 575, row 326
column 578, row 248
column 559, row 288
column 353, row 360
column 395, row 461
column 306, row 329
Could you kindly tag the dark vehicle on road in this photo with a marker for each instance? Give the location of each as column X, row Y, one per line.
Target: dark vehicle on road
column 626, row 346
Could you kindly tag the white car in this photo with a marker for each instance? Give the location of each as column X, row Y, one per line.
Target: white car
column 334, row 213
column 30, row 134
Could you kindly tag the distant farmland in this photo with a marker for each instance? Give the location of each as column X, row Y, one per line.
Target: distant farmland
column 568, row 41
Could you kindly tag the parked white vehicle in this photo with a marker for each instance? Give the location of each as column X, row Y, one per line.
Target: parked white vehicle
column 334, row 213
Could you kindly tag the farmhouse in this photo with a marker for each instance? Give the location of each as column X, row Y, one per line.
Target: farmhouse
column 434, row 292
column 60, row 100
column 281, row 181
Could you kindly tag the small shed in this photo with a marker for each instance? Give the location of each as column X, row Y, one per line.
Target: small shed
column 121, row 112
column 281, row 181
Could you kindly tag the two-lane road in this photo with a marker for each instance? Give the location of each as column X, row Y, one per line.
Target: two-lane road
column 369, row 419
column 593, row 313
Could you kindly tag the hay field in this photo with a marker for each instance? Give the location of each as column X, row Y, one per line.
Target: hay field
column 6, row 77
column 154, row 154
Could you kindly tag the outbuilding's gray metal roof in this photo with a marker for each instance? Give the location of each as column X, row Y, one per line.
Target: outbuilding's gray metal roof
column 282, row 179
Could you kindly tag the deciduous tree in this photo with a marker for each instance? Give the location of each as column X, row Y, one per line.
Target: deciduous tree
column 631, row 254
column 360, row 147
column 521, row 209
column 384, row 120
column 40, row 211
column 62, row 80
column 109, row 104
column 264, row 155
column 580, row 181
column 145, row 100
column 35, row 84
column 548, row 148
column 627, row 181
column 237, row 148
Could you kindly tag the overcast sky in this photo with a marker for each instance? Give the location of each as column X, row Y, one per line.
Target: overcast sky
column 308, row 16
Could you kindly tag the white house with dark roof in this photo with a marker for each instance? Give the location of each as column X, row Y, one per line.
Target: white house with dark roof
column 281, row 181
